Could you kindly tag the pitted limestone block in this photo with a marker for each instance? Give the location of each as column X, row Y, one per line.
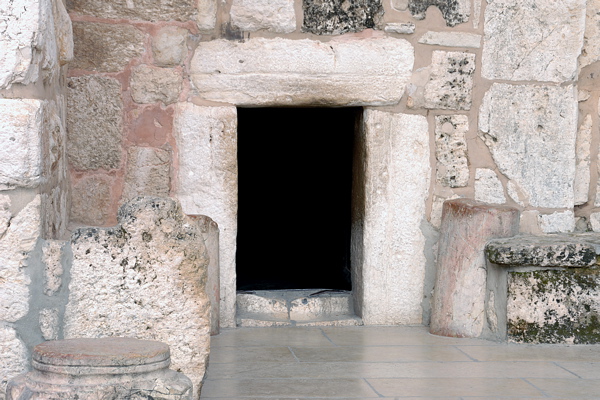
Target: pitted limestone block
column 458, row 307
column 554, row 306
column 450, row 84
column 105, row 47
column 112, row 368
column 52, row 252
column 452, row 167
column 542, row 251
column 557, row 222
column 488, row 188
column 49, row 323
column 152, row 84
column 169, row 46
column 533, row 40
column 334, row 17
column 143, row 278
column 279, row 71
column 454, row 11
column 14, row 358
column 21, row 127
column 94, row 122
column 272, row 15
column 531, row 133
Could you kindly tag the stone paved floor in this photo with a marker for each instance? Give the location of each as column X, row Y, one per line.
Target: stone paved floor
column 392, row 363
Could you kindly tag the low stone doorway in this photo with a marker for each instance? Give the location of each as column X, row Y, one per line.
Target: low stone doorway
column 294, row 199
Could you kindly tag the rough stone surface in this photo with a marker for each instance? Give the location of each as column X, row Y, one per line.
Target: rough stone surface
column 258, row 303
column 91, row 200
column 559, row 221
column 582, row 162
column 18, row 241
column 454, row 11
column 49, row 323
column 314, row 308
column 541, row 251
column 488, row 188
column 53, row 268
column 207, row 182
column 451, row 150
column 280, row 71
column 535, row 40
column 590, row 52
column 107, row 368
column 144, row 278
column 395, row 170
column 169, row 46
column 14, row 358
column 407, row 28
column 105, row 47
column 148, row 173
column 146, row 10
column 207, row 14
column 450, row 85
column 21, row 124
column 94, row 122
column 458, row 307
column 272, row 15
column 595, row 221
column 435, row 217
column 554, row 306
column 150, row 84
column 531, row 132
column 334, row 17
column 451, row 39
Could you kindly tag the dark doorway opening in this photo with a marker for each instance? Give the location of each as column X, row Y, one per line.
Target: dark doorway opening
column 294, row 199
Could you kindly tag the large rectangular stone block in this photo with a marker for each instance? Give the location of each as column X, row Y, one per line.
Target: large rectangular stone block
column 21, row 128
column 387, row 243
column 303, row 72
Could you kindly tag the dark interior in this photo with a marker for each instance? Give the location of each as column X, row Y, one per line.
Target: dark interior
column 295, row 189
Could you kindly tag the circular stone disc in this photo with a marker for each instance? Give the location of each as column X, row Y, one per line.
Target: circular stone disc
column 101, row 352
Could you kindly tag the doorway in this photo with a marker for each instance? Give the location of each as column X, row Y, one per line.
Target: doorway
column 294, row 197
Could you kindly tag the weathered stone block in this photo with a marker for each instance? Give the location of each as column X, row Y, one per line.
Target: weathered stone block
column 554, row 306
column 531, row 132
column 396, row 171
column 14, row 358
column 559, row 221
column 303, row 72
column 590, row 52
column 334, row 17
column 451, row 39
column 169, row 46
column 52, row 252
column 454, row 11
column 18, row 241
column 148, row 173
column 105, row 47
column 151, row 84
column 541, row 251
column 91, row 200
column 146, row 10
column 207, row 182
column 533, row 40
column 21, row 125
column 49, row 323
column 488, row 188
column 450, row 85
column 151, row 125
column 272, row 15
column 312, row 308
column 451, row 150
column 250, row 303
column 144, row 278
column 407, row 28
column 582, row 167
column 94, row 122
column 458, row 307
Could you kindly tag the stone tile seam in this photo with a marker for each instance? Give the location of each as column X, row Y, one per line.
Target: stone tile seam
column 534, row 386
column 566, row 369
column 372, row 388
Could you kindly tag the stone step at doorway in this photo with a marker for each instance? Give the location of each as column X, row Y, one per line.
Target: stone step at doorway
column 295, row 307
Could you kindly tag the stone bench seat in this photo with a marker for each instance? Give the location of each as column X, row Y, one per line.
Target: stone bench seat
column 553, row 287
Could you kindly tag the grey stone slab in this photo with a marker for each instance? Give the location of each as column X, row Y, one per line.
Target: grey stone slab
column 450, row 84
column 334, row 17
column 541, row 251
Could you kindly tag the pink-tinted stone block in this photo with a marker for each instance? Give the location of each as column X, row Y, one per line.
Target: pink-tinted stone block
column 458, row 308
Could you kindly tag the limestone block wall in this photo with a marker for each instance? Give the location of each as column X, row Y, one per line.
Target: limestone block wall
column 35, row 46
column 504, row 91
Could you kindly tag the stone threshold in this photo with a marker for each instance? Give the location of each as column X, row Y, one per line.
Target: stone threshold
column 295, row 307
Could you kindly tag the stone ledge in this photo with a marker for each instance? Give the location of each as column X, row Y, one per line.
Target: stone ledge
column 544, row 251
